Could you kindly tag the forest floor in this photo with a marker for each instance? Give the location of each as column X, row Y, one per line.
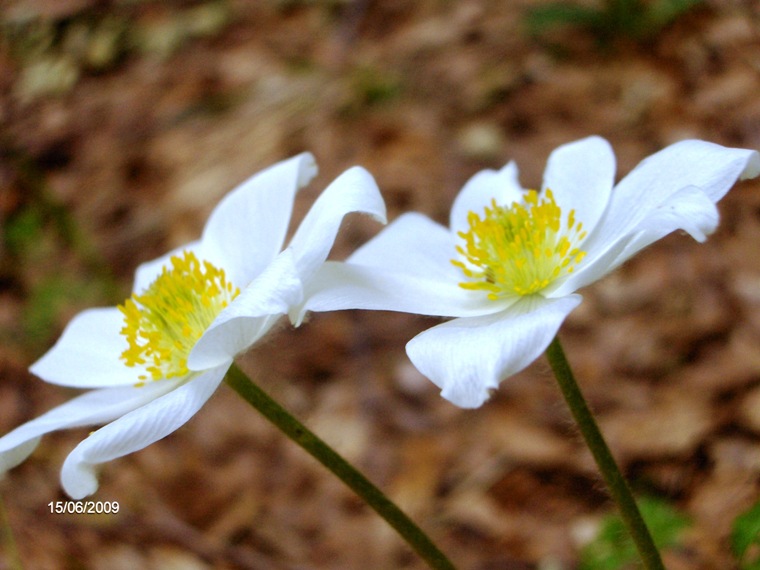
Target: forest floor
column 123, row 123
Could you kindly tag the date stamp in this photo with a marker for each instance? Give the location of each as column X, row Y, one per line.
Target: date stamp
column 83, row 507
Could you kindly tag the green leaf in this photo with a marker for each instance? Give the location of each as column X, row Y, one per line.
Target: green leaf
column 662, row 12
column 542, row 18
column 636, row 19
column 745, row 534
column 22, row 230
column 613, row 548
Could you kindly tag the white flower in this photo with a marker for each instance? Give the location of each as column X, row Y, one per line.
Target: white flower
column 154, row 361
column 511, row 261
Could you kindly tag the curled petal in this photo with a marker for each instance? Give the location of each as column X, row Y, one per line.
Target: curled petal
column 136, row 430
column 247, row 228
column 353, row 191
column 689, row 210
column 249, row 316
column 711, row 167
column 93, row 408
column 468, row 357
column 88, row 353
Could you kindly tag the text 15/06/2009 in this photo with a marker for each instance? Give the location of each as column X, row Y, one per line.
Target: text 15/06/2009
column 83, row 507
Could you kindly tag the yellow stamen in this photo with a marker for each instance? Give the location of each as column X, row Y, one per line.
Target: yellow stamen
column 163, row 323
column 520, row 249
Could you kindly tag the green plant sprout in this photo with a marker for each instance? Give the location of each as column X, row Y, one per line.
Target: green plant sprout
column 635, row 19
column 612, row 548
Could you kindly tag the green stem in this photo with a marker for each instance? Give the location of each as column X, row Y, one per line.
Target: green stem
column 323, row 453
column 614, row 479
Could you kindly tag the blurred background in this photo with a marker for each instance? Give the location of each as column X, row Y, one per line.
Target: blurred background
column 123, row 122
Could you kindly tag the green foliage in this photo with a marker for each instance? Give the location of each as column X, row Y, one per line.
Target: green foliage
column 745, row 539
column 636, row 19
column 46, row 301
column 54, row 297
column 373, row 86
column 613, row 548
column 47, row 262
column 23, row 230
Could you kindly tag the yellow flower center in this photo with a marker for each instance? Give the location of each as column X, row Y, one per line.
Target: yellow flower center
column 520, row 249
column 163, row 323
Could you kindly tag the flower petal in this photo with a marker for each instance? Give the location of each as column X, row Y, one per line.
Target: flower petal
column 689, row 209
column 136, row 430
column 468, row 357
column 337, row 286
column 16, row 455
column 246, row 319
column 478, row 191
column 708, row 166
column 581, row 175
column 353, row 191
column 247, row 228
column 406, row 267
column 412, row 244
column 87, row 355
column 92, row 408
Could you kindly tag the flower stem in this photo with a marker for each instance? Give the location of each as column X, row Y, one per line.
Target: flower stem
column 327, row 456
column 614, row 479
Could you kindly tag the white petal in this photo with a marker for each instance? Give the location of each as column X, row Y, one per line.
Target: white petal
column 478, row 191
column 87, row 354
column 15, row 455
column 708, row 166
column 468, row 357
column 406, row 267
column 353, row 191
column 92, row 408
column 247, row 228
column 413, row 245
column 689, row 210
column 337, row 286
column 581, row 176
column 246, row 319
column 136, row 430
column 711, row 167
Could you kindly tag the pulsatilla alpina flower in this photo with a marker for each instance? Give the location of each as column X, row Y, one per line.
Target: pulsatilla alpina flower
column 511, row 261
column 155, row 360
